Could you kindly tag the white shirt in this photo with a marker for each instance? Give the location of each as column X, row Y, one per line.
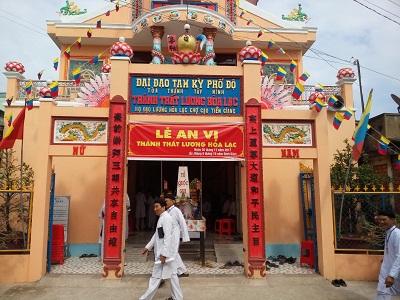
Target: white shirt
column 162, row 246
column 391, row 262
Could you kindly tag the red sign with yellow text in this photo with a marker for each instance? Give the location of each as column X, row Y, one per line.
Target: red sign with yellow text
column 194, row 141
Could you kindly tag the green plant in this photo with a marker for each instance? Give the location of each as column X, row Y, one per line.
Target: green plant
column 14, row 204
column 374, row 234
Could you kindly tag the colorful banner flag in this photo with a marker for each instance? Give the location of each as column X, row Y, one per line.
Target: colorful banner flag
column 9, row 100
column 77, row 75
column 361, row 129
column 298, row 90
column 249, row 21
column 337, row 120
column 280, row 51
column 271, row 43
column 260, row 33
column 264, row 58
column 117, row 6
column 39, row 75
column 95, row 59
column 242, row 13
column 319, row 104
column 398, row 162
column 55, row 64
column 98, row 24
column 293, row 65
column 107, row 13
column 332, row 100
column 67, row 52
column 14, row 132
column 347, row 114
column 78, row 42
column 280, row 74
column 54, row 89
column 28, row 87
column 319, row 88
column 29, row 103
column 304, row 76
column 237, row 3
column 89, row 33
column 383, row 145
column 9, row 119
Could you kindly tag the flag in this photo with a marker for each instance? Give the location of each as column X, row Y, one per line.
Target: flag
column 28, row 87
column 293, row 65
column 280, row 74
column 319, row 104
column 78, row 42
column 337, row 120
column 260, row 33
column 54, row 89
column 67, row 52
column 242, row 13
column 383, row 145
column 98, row 25
column 249, row 21
column 319, row 88
column 39, row 75
column 77, row 75
column 304, row 76
column 95, row 59
column 361, row 129
column 55, row 63
column 29, row 103
column 264, row 58
column 107, row 13
column 14, row 132
column 89, row 33
column 298, row 90
column 237, row 3
column 280, row 51
column 9, row 119
column 398, row 162
column 271, row 43
column 117, row 6
column 9, row 100
column 347, row 114
column 332, row 100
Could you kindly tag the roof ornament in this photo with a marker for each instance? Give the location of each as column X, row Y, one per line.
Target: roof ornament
column 296, row 15
column 70, row 9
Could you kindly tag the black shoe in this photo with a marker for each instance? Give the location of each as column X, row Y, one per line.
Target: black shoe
column 335, row 282
column 342, row 282
column 183, row 275
column 161, row 283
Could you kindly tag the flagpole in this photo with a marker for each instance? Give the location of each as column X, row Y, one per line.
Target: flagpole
column 343, row 193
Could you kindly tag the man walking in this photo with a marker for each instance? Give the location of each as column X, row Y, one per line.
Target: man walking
column 178, row 226
column 164, row 266
column 389, row 284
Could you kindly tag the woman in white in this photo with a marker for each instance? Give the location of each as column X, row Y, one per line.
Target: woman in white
column 161, row 241
column 179, row 228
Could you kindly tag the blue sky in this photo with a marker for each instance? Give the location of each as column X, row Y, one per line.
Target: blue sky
column 346, row 30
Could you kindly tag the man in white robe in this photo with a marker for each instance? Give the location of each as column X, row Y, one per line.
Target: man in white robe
column 161, row 241
column 179, row 228
column 389, row 283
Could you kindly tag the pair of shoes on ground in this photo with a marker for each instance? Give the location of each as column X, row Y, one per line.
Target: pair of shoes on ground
column 338, row 282
column 271, row 265
column 183, row 275
column 87, row 255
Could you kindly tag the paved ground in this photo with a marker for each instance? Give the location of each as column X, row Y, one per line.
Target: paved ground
column 197, row 287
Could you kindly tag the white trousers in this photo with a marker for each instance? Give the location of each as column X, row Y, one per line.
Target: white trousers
column 176, row 291
column 382, row 296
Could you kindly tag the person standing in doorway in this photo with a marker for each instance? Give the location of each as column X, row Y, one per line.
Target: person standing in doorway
column 389, row 283
column 101, row 235
column 226, row 206
column 179, row 228
column 140, row 209
column 152, row 217
column 164, row 265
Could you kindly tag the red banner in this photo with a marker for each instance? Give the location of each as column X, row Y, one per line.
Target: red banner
column 195, row 141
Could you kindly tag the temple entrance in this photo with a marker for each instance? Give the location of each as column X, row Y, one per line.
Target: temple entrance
column 220, row 181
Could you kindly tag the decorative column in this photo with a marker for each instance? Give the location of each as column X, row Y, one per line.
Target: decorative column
column 157, row 32
column 209, row 55
column 346, row 80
